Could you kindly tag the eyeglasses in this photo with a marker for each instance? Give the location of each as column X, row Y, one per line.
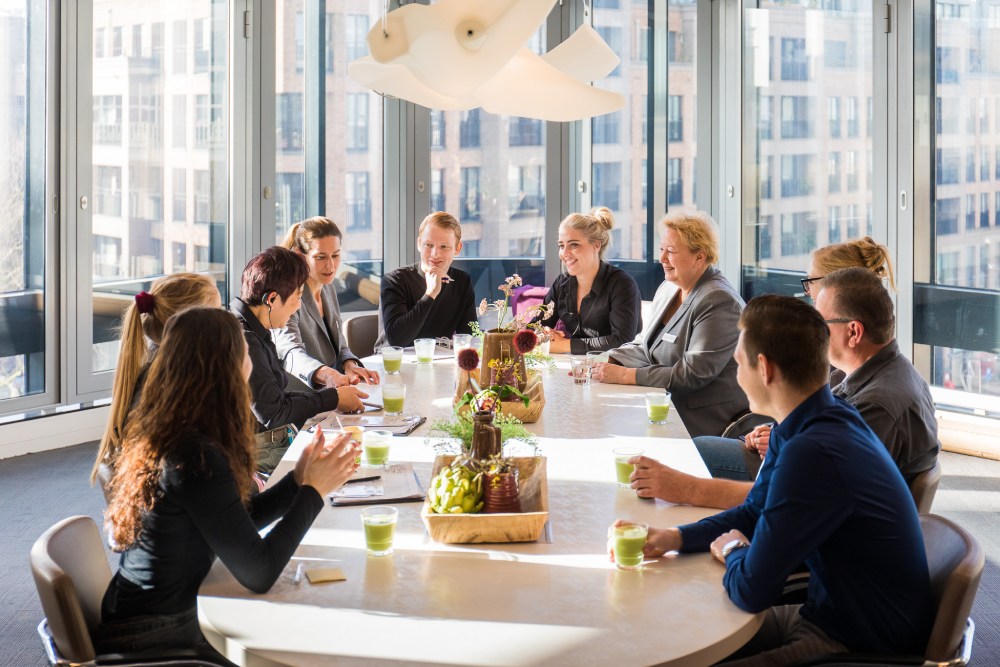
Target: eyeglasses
column 805, row 283
column 839, row 320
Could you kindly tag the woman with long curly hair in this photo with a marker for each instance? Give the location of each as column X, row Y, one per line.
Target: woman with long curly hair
column 180, row 492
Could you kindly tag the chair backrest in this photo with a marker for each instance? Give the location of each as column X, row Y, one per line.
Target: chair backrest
column 744, row 424
column 361, row 332
column 956, row 564
column 924, row 486
column 71, row 575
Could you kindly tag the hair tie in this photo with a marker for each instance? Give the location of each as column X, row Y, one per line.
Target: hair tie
column 144, row 302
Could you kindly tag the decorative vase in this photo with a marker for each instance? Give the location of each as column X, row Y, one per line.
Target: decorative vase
column 499, row 345
column 487, row 440
column 501, row 493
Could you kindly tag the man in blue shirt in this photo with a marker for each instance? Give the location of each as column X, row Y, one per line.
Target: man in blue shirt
column 828, row 495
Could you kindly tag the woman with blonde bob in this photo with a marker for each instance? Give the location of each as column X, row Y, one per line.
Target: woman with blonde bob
column 597, row 304
column 141, row 333
column 687, row 346
column 180, row 494
column 310, row 346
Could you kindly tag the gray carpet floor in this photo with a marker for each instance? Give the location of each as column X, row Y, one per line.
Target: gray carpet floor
column 39, row 489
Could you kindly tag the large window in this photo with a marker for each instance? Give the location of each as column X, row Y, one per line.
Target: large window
column 133, row 238
column 329, row 154
column 817, row 64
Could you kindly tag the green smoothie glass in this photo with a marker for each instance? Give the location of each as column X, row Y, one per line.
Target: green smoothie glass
column 623, row 469
column 628, row 540
column 380, row 527
column 392, row 359
column 376, row 447
column 393, row 394
column 657, row 406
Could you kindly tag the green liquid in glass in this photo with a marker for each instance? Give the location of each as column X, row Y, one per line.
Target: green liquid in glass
column 392, row 365
column 392, row 405
column 377, row 455
column 624, row 469
column 628, row 547
column 379, row 532
column 658, row 413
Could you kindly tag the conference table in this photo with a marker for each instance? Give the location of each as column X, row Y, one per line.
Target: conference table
column 557, row 601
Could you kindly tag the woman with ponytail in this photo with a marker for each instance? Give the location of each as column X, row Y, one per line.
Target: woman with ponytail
column 311, row 346
column 180, row 494
column 598, row 305
column 141, row 333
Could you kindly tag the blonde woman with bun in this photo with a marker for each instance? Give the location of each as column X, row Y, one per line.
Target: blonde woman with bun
column 862, row 253
column 311, row 347
column 141, row 332
column 596, row 305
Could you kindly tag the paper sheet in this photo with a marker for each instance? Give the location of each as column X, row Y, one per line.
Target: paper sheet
column 398, row 483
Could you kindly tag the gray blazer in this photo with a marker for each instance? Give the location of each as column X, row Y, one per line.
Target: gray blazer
column 304, row 345
column 692, row 355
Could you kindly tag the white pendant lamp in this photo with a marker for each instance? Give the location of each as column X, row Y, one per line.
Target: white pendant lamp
column 463, row 54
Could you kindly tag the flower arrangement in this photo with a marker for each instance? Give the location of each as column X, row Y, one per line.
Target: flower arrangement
column 518, row 322
column 445, row 431
column 504, row 375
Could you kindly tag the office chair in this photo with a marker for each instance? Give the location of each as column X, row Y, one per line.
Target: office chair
column 924, row 486
column 956, row 565
column 361, row 332
column 71, row 574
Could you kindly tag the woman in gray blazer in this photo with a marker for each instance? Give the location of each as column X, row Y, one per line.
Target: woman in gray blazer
column 687, row 347
column 311, row 346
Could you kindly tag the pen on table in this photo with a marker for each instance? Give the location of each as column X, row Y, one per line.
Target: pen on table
column 297, row 579
column 373, row 478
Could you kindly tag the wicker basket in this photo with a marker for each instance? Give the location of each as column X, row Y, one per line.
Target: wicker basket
column 534, row 391
column 524, row 526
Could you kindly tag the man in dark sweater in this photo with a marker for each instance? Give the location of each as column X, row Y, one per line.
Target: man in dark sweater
column 430, row 299
column 828, row 495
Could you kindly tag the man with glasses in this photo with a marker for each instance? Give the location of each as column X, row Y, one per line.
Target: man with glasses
column 828, row 496
column 881, row 383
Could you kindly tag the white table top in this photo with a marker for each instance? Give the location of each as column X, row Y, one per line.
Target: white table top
column 557, row 601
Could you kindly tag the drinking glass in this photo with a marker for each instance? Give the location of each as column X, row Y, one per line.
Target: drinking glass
column 623, row 469
column 380, row 527
column 461, row 342
column 376, row 447
column 392, row 359
column 581, row 370
column 657, row 406
column 424, row 347
column 629, row 539
column 393, row 394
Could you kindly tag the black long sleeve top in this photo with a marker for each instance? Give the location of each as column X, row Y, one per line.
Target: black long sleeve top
column 610, row 315
column 407, row 313
column 273, row 403
column 198, row 516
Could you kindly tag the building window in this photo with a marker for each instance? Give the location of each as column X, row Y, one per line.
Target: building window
column 970, row 165
column 108, row 120
column 984, row 210
column 116, row 42
column 300, row 42
column 605, row 128
column 179, row 122
column 794, row 61
column 526, row 187
column 359, row 205
column 765, row 120
column 202, row 44
column 437, row 130
column 970, row 211
column 766, row 173
column 357, row 33
column 833, row 225
column 526, row 131
column 608, row 184
column 675, row 181
column 208, row 128
column 947, row 167
column 853, row 122
column 796, row 117
column 795, row 176
column 470, row 195
column 612, row 35
column 798, row 233
column 357, row 122
column 833, row 116
column 946, row 64
column 329, row 43
column 984, row 163
column 202, row 196
column 833, row 172
column 108, row 191
column 675, row 119
column 853, row 222
column 835, row 54
column 468, row 129
column 99, row 38
column 107, row 257
column 179, row 253
column 179, row 205
column 180, row 47
column 437, row 190
column 764, row 237
column 852, row 171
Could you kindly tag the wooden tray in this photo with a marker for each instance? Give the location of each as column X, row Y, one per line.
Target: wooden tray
column 528, row 415
column 525, row 526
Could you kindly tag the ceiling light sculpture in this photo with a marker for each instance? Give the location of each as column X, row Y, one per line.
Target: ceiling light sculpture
column 463, row 54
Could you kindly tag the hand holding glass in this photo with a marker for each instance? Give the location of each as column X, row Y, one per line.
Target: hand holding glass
column 623, row 469
column 628, row 541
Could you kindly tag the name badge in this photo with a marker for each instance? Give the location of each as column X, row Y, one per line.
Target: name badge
column 670, row 338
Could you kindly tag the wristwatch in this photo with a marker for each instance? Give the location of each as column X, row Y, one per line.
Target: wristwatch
column 732, row 546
